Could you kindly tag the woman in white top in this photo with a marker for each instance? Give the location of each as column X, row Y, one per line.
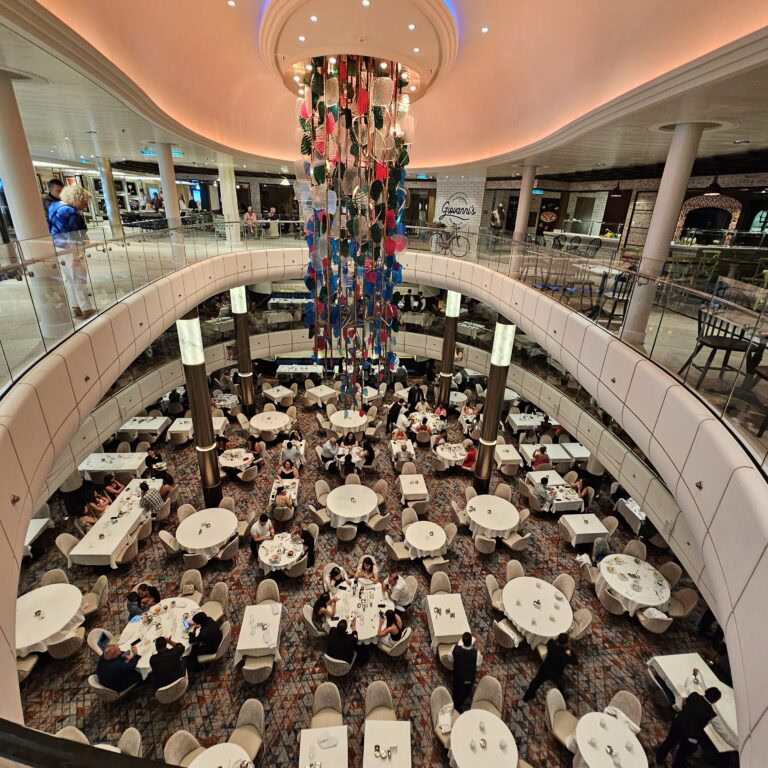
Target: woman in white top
column 261, row 530
column 402, row 420
column 367, row 569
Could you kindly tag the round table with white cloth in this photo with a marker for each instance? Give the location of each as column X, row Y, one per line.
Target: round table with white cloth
column 470, row 729
column 271, row 421
column 452, row 454
column 225, row 755
column 281, row 552
column 492, row 516
column 457, row 399
column 597, row 732
column 346, row 420
column 166, row 622
column 236, row 458
column 351, row 504
column 538, row 610
column 356, row 451
column 635, row 583
column 226, row 401
column 426, row 539
column 363, row 601
column 207, row 531
column 434, row 422
column 47, row 615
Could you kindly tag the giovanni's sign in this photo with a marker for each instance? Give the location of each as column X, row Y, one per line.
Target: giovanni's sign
column 457, row 210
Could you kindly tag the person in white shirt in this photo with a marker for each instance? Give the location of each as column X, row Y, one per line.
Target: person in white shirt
column 329, row 450
column 396, row 588
column 457, row 381
column 261, row 530
column 290, row 453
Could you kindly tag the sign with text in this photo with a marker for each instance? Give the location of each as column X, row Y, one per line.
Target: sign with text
column 457, row 210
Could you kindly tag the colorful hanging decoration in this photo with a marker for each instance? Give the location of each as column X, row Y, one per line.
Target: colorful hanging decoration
column 350, row 184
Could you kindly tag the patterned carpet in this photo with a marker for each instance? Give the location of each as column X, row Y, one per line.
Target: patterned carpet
column 612, row 656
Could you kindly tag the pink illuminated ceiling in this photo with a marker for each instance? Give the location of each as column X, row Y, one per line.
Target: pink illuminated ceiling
column 539, row 67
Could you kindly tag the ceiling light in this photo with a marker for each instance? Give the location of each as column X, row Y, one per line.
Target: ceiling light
column 366, row 3
column 411, row 27
column 66, row 138
column 713, row 190
column 302, row 38
column 383, row 65
column 243, row 165
column 484, row 30
column 740, row 141
column 301, row 91
column 332, row 60
column 416, row 50
column 231, row 3
column 600, row 165
column 308, row 67
column 296, row 79
column 616, row 191
column 413, row 88
column 313, row 19
column 285, row 182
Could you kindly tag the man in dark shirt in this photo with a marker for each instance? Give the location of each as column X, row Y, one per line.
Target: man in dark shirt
column 117, row 670
column 559, row 656
column 341, row 644
column 166, row 663
column 687, row 729
column 54, row 192
column 205, row 636
column 464, row 670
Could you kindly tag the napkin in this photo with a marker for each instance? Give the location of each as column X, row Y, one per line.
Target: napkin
column 326, row 741
column 445, row 718
column 275, row 608
column 654, row 613
column 267, row 638
column 620, row 716
column 583, row 559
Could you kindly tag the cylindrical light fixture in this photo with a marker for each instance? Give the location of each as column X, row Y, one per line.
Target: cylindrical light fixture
column 190, row 341
column 238, row 301
column 503, row 340
column 452, row 304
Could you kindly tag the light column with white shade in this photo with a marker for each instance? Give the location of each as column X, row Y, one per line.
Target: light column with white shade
column 193, row 360
column 110, row 196
column 521, row 218
column 239, row 305
column 228, row 191
column 661, row 230
column 501, row 354
column 452, row 309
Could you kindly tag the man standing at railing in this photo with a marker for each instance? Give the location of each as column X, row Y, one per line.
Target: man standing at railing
column 498, row 218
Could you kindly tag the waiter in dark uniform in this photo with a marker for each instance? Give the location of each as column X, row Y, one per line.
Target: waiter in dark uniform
column 464, row 670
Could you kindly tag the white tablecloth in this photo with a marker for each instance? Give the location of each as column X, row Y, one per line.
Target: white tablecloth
column 637, row 584
column 222, row 756
column 185, row 427
column 434, row 422
column 168, row 622
column 322, row 394
column 446, row 618
column 346, row 420
column 362, row 601
column 507, row 454
column 358, row 457
column 270, row 421
column 566, row 500
column 236, row 458
column 413, row 487
column 555, row 452
column 60, row 607
column 291, row 485
column 335, row 754
column 291, row 370
column 34, row 530
column 219, row 324
column 350, row 504
column 452, row 454
column 280, row 553
column 275, row 394
column 152, row 425
column 396, row 446
column 114, row 462
column 426, row 539
column 537, row 624
column 401, row 394
column 595, row 732
column 470, row 329
column 630, row 510
column 457, row 399
column 369, row 393
column 526, row 421
column 553, row 478
column 576, row 451
column 492, row 516
column 466, row 749
column 108, row 536
column 225, row 401
column 207, row 531
column 394, row 735
column 583, row 529
column 255, row 638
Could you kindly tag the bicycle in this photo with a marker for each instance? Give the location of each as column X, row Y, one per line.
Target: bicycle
column 452, row 240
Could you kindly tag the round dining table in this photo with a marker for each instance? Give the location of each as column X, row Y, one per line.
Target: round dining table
column 236, row 458
column 280, row 553
column 207, row 531
column 225, row 755
column 479, row 739
column 451, row 454
column 351, row 504
column 635, row 583
column 345, row 420
column 492, row 516
column 425, row 539
column 360, row 601
column 603, row 741
column 457, row 399
column 538, row 609
column 47, row 615
column 271, row 421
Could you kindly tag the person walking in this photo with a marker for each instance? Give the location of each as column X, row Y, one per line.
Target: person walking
column 54, row 193
column 465, row 663
column 559, row 656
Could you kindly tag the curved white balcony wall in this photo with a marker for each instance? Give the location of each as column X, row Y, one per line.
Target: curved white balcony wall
column 720, row 492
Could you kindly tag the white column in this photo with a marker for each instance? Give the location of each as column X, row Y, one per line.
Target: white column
column 171, row 201
column 229, row 197
column 110, row 196
column 22, row 192
column 521, row 217
column 661, row 230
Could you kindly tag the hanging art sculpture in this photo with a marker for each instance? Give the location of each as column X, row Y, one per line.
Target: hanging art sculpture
column 354, row 132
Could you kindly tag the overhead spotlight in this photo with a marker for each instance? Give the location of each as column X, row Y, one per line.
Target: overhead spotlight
column 308, row 67
column 243, row 165
column 302, row 38
column 231, row 3
column 296, row 79
column 301, row 91
column 285, row 182
column 411, row 27
column 740, row 141
column 713, row 190
column 413, row 88
column 484, row 30
column 66, row 138
column 332, row 60
column 383, row 65
column 366, row 3
column 313, row 19
column 616, row 191
column 416, row 50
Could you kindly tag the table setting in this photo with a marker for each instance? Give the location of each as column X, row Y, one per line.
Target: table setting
column 636, row 583
column 47, row 615
column 259, row 631
column 357, row 453
column 271, row 421
column 226, row 401
column 446, row 618
column 114, row 462
column 565, row 499
column 236, row 458
column 346, row 420
column 507, row 454
column 452, row 454
column 425, row 539
column 492, row 516
column 227, row 755
column 323, row 747
column 206, row 532
column 351, row 504
column 321, row 394
column 281, row 552
column 292, row 486
column 275, row 394
column 387, row 742
column 582, row 529
column 538, row 609
column 630, row 510
column 604, row 741
column 364, row 601
column 413, row 488
column 479, row 736
column 152, row 425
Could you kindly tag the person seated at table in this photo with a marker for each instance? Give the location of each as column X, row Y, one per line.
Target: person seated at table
column 581, row 488
column 329, row 450
column 261, row 530
column 439, row 439
column 399, row 435
column 559, row 656
column 133, row 603
column 204, row 637
column 545, row 428
column 290, row 453
column 84, row 517
column 540, row 457
column 367, row 570
column 526, row 437
column 471, row 458
column 253, row 446
column 422, row 407
column 600, row 549
column 97, row 503
column 153, row 457
column 149, row 595
column 116, row 669
column 296, row 435
column 287, row 471
column 368, row 453
column 341, row 644
column 393, row 414
column 440, row 410
column 336, row 576
column 168, row 482
column 222, row 444
column 324, row 607
column 396, row 588
column 112, row 487
column 349, row 440
column 423, row 426
column 390, row 628
column 151, row 501
column 468, row 418
column 308, row 540
column 167, row 663
column 542, row 493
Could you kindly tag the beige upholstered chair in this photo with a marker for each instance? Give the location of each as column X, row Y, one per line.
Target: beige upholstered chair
column 227, row 503
column 629, row 704
column 104, row 694
column 337, row 667
column 226, row 640
column 440, row 584
column 566, row 584
column 229, row 552
column 450, row 533
column 671, row 572
column 379, row 522
column 656, row 624
column 130, row 743
column 68, row 647
column 184, row 511
column 380, row 488
column 298, row 569
column 484, row 545
column 25, row 666
column 95, row 635
column 257, row 669
column 494, row 592
column 610, row 602
column 469, row 493
column 173, row 691
column 444, row 653
column 400, row 647
column 244, row 526
column 582, row 620
column 503, row 491
column 181, row 749
column 322, row 490
column 352, row 479
column 326, row 707
column 194, row 562
column 54, row 576
column 525, row 513
column 249, row 728
column 397, row 550
column 611, row 523
column 488, row 696
column 561, row 722
column 408, row 517
column 509, row 470
column 313, row 632
column 409, row 468
column 130, row 552
column 346, row 532
column 516, row 542
column 218, row 601
column 194, row 578
column 571, row 477
column 319, row 516
column 65, row 542
column 682, row 603
column 378, row 702
column 441, row 698
column 462, row 520
column 505, row 634
column 145, row 529
column 96, row 599
column 70, row 733
column 635, row 548
column 514, row 570
column 435, row 564
column 267, row 592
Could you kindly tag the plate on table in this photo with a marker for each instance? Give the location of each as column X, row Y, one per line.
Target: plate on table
column 637, row 587
column 624, row 577
column 610, row 569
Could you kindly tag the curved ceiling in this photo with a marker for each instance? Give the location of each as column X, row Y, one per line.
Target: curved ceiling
column 535, row 72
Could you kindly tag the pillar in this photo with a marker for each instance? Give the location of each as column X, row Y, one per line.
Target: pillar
column 44, row 279
column 521, row 218
column 229, row 197
column 239, row 305
column 452, row 307
column 193, row 360
column 171, row 202
column 661, row 230
column 110, row 196
column 501, row 354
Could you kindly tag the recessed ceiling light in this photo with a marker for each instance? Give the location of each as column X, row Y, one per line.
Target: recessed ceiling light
column 411, row 27
column 231, row 3
column 243, row 165
column 484, row 30
column 66, row 138
column 302, row 38
column 383, row 65
column 413, row 88
column 313, row 19
column 308, row 67
column 301, row 91
column 366, row 3
column 740, row 141
column 416, row 50
column 600, row 164
column 332, row 60
column 297, row 78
